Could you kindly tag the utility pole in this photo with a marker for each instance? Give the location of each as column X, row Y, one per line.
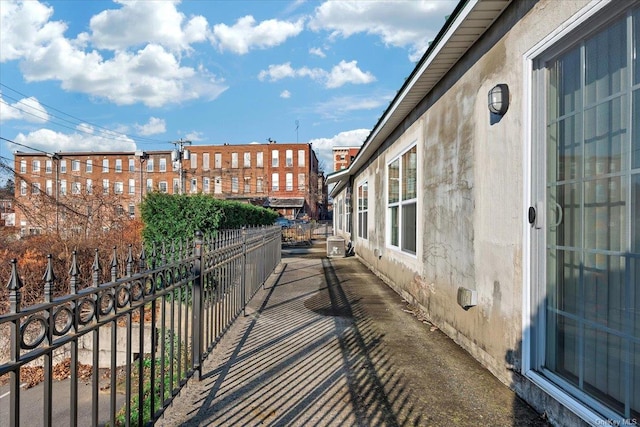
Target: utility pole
column 56, row 158
column 177, row 156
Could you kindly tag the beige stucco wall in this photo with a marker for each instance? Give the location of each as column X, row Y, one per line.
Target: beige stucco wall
column 472, row 209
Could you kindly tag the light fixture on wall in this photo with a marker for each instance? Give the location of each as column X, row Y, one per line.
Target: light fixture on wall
column 499, row 99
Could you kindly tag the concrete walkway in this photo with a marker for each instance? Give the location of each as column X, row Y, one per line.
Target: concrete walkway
column 329, row 344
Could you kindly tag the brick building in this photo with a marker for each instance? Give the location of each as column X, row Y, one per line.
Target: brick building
column 98, row 187
column 342, row 157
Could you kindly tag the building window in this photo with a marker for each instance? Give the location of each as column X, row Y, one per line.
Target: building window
column 247, row 185
column 194, row 185
column 132, row 165
column 288, row 181
column 194, row 160
column 89, row 166
column 260, row 159
column 105, row 186
column 35, row 166
column 217, row 160
column 163, row 164
column 63, row 166
column 234, row 160
column 76, row 188
column 275, row 182
column 259, row 185
column 301, row 181
column 363, row 209
column 206, row 185
column 247, row 160
column 150, row 165
column 23, row 167
column 35, row 188
column 89, row 186
column 149, row 185
column 63, row 187
column 163, row 187
column 48, row 166
column 119, row 210
column 23, row 187
column 132, row 211
column 274, row 158
column 217, row 185
column 176, row 185
column 75, row 165
column 288, row 156
column 301, row 156
column 119, row 165
column 205, row 161
column 234, row 184
column 105, row 165
column 132, row 186
column 586, row 169
column 402, row 201
column 339, row 212
column 49, row 187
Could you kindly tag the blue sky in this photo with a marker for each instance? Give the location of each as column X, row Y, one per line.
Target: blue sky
column 118, row 75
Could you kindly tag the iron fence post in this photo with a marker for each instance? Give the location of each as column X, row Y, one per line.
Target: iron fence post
column 243, row 279
column 15, row 299
column 196, row 324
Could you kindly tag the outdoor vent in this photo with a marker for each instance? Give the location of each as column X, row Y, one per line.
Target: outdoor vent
column 467, row 298
column 335, row 247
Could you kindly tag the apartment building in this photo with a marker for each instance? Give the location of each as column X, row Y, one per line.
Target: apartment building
column 81, row 188
column 343, row 156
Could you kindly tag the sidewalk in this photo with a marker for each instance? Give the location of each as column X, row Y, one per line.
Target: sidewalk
column 329, row 344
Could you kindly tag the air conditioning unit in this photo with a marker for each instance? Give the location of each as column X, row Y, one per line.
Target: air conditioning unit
column 335, row 247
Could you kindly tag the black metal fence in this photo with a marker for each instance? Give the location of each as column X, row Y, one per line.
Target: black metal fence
column 144, row 334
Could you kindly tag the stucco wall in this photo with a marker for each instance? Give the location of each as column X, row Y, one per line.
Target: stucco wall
column 472, row 208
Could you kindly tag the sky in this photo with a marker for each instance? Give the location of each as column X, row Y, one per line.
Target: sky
column 138, row 75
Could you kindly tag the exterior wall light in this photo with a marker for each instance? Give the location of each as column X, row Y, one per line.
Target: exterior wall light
column 499, row 99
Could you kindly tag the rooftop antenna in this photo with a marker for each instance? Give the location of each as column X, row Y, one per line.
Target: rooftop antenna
column 297, row 127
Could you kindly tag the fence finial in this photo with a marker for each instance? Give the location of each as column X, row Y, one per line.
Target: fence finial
column 130, row 262
column 143, row 259
column 14, row 285
column 114, row 265
column 96, row 269
column 49, row 279
column 74, row 272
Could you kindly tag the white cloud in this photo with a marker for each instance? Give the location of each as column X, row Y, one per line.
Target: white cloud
column 142, row 22
column 324, row 146
column 412, row 25
column 285, row 94
column 341, row 106
column 152, row 75
column 28, row 109
column 153, row 127
column 194, row 136
column 317, row 51
column 51, row 141
column 341, row 74
column 245, row 35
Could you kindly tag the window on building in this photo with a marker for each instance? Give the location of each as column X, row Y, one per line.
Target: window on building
column 49, row 187
column 35, row 166
column 289, row 182
column 75, row 165
column 118, row 165
column 301, row 181
column 89, row 186
column 63, row 166
column 35, row 188
column 149, row 165
column 363, row 210
column 247, row 160
column 206, row 185
column 119, row 210
column 288, row 155
column 234, row 184
column 274, row 158
column 89, row 166
column 194, row 160
column 63, row 187
column 105, row 186
column 402, row 201
column 217, row 185
column 234, row 160
column 217, row 160
column 247, row 185
column 76, row 187
column 586, row 169
column 23, row 186
column 260, row 159
column 275, row 182
column 205, row 161
column 132, row 211
column 48, row 166
column 23, row 167
column 163, row 164
column 194, row 185
column 132, row 165
column 149, row 185
column 163, row 187
column 301, row 156
column 259, row 185
column 105, row 165
column 132, row 186
column 347, row 211
column 339, row 213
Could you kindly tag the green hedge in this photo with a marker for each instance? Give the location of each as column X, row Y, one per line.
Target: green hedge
column 172, row 217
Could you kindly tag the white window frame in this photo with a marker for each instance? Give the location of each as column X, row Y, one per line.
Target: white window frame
column 288, row 181
column 132, row 165
column 75, row 165
column 163, row 164
column 105, row 165
column 401, row 204
column 301, row 157
column 275, row 160
column 35, row 166
column 234, row 160
column 89, row 166
column 362, row 208
column 275, row 181
column 288, row 156
column 63, row 166
column 234, row 184
column 247, row 160
column 163, row 187
column 105, row 186
column 132, row 186
column 118, row 165
column 48, row 166
column 217, row 160
column 150, row 165
column 259, row 159
column 205, row 161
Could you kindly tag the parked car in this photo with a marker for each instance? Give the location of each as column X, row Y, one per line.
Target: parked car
column 283, row 222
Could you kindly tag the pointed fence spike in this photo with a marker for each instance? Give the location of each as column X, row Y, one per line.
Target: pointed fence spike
column 14, row 285
column 154, row 255
column 114, row 265
column 143, row 259
column 74, row 273
column 130, row 262
column 49, row 279
column 163, row 256
column 97, row 268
